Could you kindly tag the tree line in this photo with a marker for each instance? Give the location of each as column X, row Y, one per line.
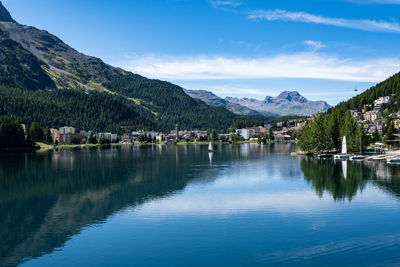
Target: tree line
column 13, row 135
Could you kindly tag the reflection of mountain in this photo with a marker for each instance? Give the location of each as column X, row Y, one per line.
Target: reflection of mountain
column 327, row 176
column 49, row 198
column 45, row 199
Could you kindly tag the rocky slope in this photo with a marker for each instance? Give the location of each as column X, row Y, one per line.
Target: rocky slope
column 35, row 60
column 211, row 99
column 287, row 103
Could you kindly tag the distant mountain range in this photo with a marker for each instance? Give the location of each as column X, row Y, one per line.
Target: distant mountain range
column 286, row 103
column 211, row 99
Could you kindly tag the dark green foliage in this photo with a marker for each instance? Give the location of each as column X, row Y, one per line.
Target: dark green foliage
column 234, row 137
column 390, row 132
column 144, row 138
column 337, row 122
column 19, row 68
column 214, row 135
column 375, row 137
column 47, row 135
column 104, row 141
column 11, row 133
column 243, row 123
column 171, row 104
column 35, row 133
column 386, row 88
column 57, row 108
column 327, row 130
column 92, row 139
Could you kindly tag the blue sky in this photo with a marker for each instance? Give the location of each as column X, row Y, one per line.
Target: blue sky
column 323, row 49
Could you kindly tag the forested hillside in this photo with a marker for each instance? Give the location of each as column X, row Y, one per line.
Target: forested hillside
column 327, row 130
column 86, row 111
column 388, row 87
column 34, row 65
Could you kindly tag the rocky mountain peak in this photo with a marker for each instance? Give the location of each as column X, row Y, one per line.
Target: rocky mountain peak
column 286, row 103
column 4, row 14
column 291, row 95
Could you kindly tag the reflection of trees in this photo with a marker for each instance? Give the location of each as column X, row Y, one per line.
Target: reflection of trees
column 47, row 198
column 328, row 176
column 52, row 196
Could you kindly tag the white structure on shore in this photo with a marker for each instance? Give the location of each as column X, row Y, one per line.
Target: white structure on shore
column 246, row 133
column 344, row 154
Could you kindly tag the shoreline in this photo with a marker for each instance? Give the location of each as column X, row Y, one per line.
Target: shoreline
column 44, row 147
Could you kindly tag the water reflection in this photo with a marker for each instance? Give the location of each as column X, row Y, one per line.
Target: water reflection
column 45, row 199
column 344, row 179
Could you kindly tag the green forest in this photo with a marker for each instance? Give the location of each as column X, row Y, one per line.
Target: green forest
column 328, row 129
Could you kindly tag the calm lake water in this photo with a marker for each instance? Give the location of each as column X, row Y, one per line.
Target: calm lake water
column 245, row 205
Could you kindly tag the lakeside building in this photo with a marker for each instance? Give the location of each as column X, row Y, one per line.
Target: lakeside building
column 246, row 133
column 282, row 136
column 109, row 136
column 65, row 135
column 69, row 138
column 67, row 130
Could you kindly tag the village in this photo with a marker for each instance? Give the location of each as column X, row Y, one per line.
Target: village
column 282, row 131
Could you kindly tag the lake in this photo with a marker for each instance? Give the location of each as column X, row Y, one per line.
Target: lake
column 244, row 205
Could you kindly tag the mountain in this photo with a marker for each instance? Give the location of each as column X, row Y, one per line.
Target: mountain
column 287, row 103
column 5, row 15
column 389, row 87
column 211, row 99
column 43, row 79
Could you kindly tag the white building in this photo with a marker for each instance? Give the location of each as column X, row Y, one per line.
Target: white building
column 66, row 130
column 109, row 136
column 245, row 133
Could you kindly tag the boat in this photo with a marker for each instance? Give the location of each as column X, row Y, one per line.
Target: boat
column 361, row 156
column 344, row 154
column 358, row 157
column 393, row 160
column 324, row 155
column 210, row 148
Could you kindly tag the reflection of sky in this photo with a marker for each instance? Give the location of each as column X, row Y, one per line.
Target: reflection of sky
column 226, row 197
column 258, row 211
column 272, row 184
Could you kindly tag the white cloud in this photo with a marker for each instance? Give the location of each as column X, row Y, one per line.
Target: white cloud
column 314, row 44
column 221, row 202
column 310, row 65
column 365, row 25
column 227, row 90
column 220, row 3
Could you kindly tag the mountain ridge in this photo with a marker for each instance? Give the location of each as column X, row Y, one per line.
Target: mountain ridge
column 37, row 61
column 5, row 15
column 213, row 100
column 286, row 103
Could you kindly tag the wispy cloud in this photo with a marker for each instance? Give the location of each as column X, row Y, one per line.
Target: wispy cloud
column 220, row 3
column 365, row 25
column 314, row 44
column 301, row 65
